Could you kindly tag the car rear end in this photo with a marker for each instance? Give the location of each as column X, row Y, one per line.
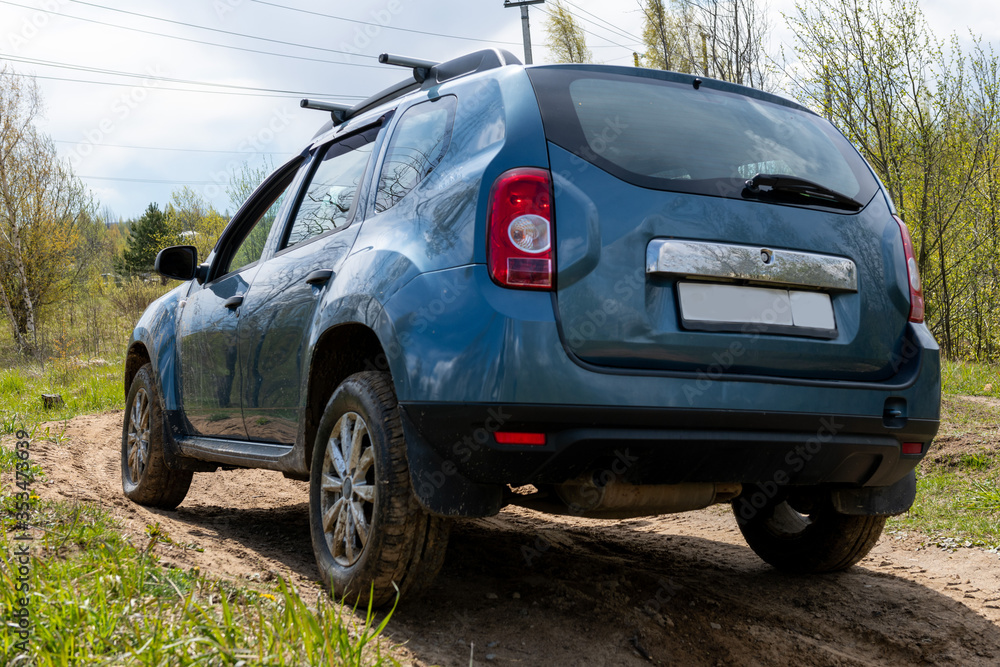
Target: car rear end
column 704, row 295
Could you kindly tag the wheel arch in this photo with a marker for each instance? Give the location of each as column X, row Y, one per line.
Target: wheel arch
column 136, row 358
column 339, row 352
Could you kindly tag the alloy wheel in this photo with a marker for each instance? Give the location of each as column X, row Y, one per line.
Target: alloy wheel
column 347, row 497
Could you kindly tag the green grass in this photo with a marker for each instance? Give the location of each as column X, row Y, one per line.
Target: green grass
column 955, row 509
column 970, row 378
column 963, row 416
column 85, row 387
column 958, row 489
column 96, row 598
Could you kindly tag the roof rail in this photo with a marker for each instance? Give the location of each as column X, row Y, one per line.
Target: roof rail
column 426, row 73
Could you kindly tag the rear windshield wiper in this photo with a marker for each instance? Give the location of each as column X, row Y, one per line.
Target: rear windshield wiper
column 763, row 184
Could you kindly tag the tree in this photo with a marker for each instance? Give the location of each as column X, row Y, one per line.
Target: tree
column 148, row 235
column 725, row 39
column 735, row 34
column 241, row 185
column 926, row 117
column 566, row 38
column 196, row 221
column 41, row 205
column 666, row 34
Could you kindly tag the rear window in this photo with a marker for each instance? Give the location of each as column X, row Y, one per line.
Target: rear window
column 665, row 134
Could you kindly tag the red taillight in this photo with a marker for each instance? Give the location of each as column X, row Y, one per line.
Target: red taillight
column 520, row 230
column 509, row 438
column 913, row 447
column 913, row 275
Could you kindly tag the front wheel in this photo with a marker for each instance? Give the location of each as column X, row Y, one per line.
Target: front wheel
column 146, row 479
column 803, row 533
column 369, row 534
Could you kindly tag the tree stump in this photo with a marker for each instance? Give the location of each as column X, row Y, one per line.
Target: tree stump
column 52, row 401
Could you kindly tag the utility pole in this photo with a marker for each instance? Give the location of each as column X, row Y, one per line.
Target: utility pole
column 525, row 28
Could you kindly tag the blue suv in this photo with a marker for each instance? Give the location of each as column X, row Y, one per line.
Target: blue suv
column 600, row 291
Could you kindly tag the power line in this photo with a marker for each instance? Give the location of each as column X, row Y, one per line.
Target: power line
column 613, row 28
column 158, row 88
column 385, row 27
column 189, row 39
column 165, row 148
column 551, row 15
column 147, row 180
column 219, row 30
column 99, row 70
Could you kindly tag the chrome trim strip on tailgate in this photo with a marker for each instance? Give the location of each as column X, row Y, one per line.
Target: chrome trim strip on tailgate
column 700, row 259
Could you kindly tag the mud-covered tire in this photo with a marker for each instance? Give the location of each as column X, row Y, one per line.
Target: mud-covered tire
column 381, row 538
column 806, row 537
column 146, row 479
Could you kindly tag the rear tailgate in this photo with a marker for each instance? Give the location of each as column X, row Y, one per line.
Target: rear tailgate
column 667, row 261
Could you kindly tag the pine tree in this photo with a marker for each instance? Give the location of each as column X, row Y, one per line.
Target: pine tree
column 147, row 236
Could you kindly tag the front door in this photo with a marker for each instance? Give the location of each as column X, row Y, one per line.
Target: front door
column 208, row 326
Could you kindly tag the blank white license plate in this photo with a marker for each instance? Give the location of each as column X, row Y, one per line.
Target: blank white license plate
column 732, row 307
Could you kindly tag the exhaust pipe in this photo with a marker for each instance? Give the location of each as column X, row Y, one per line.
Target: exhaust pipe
column 617, row 499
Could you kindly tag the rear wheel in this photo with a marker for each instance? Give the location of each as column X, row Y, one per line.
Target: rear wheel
column 803, row 533
column 369, row 534
column 146, row 479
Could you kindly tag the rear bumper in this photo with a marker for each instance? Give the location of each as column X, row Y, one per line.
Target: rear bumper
column 667, row 446
column 489, row 359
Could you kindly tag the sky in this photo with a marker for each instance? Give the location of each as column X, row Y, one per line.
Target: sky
column 148, row 96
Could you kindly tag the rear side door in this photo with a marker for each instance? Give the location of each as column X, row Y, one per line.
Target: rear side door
column 279, row 306
column 208, row 324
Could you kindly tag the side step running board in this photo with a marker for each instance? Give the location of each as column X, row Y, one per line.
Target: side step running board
column 235, row 452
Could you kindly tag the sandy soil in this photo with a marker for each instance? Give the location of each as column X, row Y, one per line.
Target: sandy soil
column 528, row 589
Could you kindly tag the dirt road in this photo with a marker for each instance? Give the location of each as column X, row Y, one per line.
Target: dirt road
column 527, row 589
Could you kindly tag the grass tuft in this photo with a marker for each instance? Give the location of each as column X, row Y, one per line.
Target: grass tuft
column 97, row 599
column 85, row 387
column 970, row 378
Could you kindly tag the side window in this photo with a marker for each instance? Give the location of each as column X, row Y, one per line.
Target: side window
column 330, row 200
column 251, row 246
column 420, row 140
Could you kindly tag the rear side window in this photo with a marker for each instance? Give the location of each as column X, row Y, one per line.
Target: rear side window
column 665, row 134
column 421, row 139
column 330, row 199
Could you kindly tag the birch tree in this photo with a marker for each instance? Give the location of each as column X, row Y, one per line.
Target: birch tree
column 40, row 205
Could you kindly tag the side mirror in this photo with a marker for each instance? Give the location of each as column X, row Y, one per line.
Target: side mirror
column 179, row 262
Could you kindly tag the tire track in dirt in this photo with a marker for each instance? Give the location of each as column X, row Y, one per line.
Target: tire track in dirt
column 529, row 589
